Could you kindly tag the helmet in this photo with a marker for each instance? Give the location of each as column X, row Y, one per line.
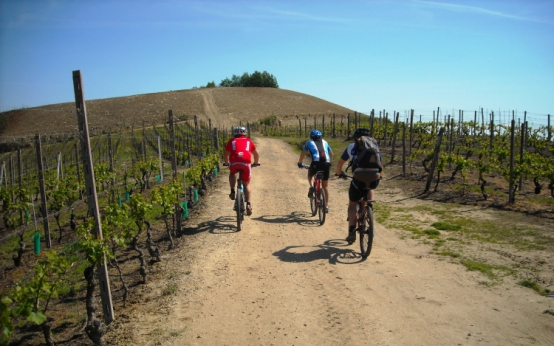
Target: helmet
column 239, row 130
column 315, row 134
column 360, row 133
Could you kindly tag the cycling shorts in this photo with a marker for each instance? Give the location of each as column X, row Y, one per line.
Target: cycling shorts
column 316, row 166
column 358, row 189
column 245, row 170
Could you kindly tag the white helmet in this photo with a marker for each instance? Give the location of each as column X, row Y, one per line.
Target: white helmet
column 239, row 130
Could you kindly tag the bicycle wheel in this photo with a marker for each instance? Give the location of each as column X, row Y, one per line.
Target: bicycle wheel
column 321, row 199
column 366, row 233
column 313, row 205
column 239, row 207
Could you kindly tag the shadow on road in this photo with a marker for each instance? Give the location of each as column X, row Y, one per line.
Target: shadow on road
column 333, row 250
column 221, row 225
column 298, row 217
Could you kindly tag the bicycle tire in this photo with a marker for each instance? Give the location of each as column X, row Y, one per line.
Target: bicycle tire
column 313, row 205
column 321, row 199
column 239, row 207
column 366, row 232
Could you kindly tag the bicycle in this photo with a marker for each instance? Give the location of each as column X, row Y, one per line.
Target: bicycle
column 318, row 199
column 240, row 202
column 364, row 221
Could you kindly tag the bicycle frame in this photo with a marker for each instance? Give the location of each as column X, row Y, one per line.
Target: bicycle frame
column 317, row 203
column 364, row 223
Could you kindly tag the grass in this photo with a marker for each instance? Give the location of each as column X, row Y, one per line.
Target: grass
column 532, row 284
column 444, row 226
column 170, row 289
column 484, row 268
column 487, row 269
column 448, row 253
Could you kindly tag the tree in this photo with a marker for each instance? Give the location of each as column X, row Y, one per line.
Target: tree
column 256, row 79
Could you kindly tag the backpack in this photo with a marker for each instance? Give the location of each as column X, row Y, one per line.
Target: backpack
column 368, row 164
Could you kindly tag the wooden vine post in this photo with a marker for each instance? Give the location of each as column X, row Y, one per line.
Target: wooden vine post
column 435, row 160
column 404, row 148
column 92, row 197
column 394, row 132
column 511, row 197
column 160, row 158
column 20, row 180
column 42, row 186
column 411, row 130
column 174, row 166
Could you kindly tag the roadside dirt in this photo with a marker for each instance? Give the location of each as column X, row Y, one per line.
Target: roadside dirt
column 285, row 280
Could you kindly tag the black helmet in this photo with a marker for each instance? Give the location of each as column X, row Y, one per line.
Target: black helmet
column 360, row 133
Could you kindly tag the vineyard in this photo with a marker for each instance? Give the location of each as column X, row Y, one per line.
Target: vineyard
column 156, row 175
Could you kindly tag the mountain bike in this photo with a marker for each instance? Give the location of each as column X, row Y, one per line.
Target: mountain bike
column 240, row 201
column 318, row 199
column 364, row 221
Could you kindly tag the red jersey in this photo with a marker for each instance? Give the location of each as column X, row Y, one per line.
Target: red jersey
column 240, row 149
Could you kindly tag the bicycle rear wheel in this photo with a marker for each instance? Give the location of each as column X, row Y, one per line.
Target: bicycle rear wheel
column 366, row 233
column 313, row 205
column 240, row 208
column 321, row 200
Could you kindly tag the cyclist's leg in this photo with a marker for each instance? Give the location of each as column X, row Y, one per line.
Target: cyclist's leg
column 325, row 184
column 312, row 170
column 325, row 181
column 355, row 192
column 246, row 175
column 372, row 187
column 232, row 181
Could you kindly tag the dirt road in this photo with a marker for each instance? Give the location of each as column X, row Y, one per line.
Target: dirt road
column 285, row 280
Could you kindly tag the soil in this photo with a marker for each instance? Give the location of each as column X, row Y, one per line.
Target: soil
column 285, row 280
column 225, row 107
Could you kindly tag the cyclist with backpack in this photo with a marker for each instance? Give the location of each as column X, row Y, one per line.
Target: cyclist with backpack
column 365, row 156
column 238, row 156
column 322, row 156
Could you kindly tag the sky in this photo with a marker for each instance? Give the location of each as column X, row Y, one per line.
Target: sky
column 363, row 55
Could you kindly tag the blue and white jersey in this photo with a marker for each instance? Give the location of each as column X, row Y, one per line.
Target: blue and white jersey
column 350, row 152
column 311, row 148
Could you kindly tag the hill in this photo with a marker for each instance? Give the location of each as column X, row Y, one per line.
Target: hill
column 224, row 106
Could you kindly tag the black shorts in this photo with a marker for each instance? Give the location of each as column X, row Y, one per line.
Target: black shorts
column 358, row 189
column 316, row 166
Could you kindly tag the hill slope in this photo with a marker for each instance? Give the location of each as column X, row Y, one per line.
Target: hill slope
column 224, row 106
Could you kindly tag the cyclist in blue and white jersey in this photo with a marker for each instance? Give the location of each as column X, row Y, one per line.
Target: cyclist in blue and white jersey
column 322, row 156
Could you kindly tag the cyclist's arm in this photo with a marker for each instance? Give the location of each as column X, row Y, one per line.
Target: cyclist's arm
column 301, row 158
column 256, row 156
column 226, row 157
column 339, row 166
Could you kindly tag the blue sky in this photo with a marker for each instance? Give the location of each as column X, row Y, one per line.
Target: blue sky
column 393, row 55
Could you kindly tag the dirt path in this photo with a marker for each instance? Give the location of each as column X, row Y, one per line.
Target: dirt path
column 284, row 280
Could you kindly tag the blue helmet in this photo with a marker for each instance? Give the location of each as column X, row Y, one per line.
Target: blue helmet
column 315, row 134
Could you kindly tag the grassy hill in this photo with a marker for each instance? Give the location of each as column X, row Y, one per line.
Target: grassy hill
column 224, row 106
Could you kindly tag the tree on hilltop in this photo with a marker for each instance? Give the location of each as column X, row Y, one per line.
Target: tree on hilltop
column 256, row 79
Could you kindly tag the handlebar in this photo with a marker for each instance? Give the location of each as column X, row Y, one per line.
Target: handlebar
column 252, row 165
column 343, row 175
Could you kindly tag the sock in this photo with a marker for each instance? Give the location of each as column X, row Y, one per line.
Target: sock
column 232, row 190
column 351, row 229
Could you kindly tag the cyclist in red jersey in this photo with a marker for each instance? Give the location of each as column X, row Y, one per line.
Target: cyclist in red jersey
column 238, row 155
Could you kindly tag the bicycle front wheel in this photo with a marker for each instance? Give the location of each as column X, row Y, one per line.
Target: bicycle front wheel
column 321, row 200
column 366, row 232
column 240, row 209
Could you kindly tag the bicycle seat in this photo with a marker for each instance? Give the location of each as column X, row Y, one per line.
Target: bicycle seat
column 319, row 174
